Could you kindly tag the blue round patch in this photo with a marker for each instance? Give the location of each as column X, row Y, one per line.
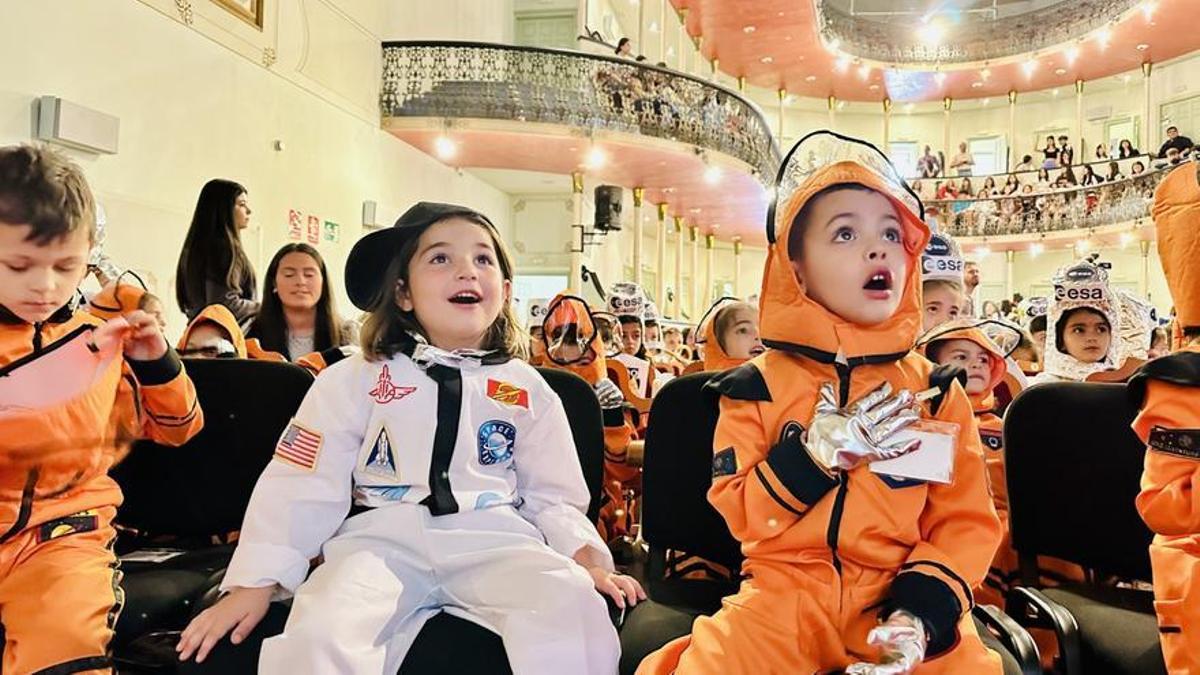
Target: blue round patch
column 496, row 440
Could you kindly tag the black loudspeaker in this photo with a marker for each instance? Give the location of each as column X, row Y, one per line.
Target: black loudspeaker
column 608, row 207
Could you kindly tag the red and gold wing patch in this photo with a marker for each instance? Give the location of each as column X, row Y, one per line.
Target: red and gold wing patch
column 508, row 394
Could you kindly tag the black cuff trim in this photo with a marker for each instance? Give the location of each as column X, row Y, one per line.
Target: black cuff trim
column 795, row 468
column 744, row 383
column 614, row 417
column 158, row 371
column 78, row 666
column 1182, row 368
column 933, row 602
column 333, row 355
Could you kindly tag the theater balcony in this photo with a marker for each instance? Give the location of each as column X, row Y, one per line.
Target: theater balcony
column 1040, row 216
column 699, row 147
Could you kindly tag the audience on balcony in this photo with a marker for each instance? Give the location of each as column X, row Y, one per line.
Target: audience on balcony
column 1050, row 152
column 625, row 48
column 963, row 162
column 1026, row 164
column 1101, row 152
column 1126, row 149
column 928, row 165
column 1181, row 144
column 1066, row 153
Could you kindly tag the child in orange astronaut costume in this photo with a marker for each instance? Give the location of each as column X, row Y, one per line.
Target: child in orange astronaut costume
column 68, row 383
column 1168, row 391
column 572, row 342
column 729, row 333
column 846, row 568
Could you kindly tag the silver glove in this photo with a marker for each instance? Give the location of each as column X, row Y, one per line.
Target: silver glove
column 901, row 640
column 609, row 394
column 844, row 438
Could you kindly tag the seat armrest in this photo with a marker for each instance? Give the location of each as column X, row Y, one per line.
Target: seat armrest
column 1031, row 608
column 1013, row 636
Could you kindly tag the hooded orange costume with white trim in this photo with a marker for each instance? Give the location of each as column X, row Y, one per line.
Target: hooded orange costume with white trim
column 56, row 563
column 827, row 557
column 715, row 356
column 1168, row 390
column 619, row 430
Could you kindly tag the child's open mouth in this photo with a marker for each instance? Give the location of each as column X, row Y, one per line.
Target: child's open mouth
column 879, row 284
column 466, row 298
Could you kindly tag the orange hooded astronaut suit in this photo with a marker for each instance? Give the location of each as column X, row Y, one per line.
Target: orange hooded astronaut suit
column 715, row 356
column 563, row 313
column 991, row 433
column 1168, row 390
column 827, row 557
column 56, row 562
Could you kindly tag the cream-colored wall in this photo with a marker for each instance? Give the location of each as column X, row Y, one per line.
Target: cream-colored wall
column 196, row 102
column 477, row 20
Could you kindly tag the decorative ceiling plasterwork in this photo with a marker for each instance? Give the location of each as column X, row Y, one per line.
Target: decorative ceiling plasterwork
column 964, row 39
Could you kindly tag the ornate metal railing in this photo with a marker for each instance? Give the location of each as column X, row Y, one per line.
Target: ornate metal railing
column 1053, row 210
column 893, row 39
column 502, row 82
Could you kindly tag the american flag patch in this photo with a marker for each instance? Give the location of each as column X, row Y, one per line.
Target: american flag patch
column 299, row 447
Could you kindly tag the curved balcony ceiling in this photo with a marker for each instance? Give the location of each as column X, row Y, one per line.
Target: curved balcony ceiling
column 785, row 35
column 696, row 146
column 735, row 206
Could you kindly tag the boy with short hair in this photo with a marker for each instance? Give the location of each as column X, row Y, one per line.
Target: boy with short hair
column 64, row 385
column 846, row 567
column 1168, row 391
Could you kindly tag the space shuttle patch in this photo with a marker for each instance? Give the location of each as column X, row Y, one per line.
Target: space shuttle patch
column 508, row 394
column 381, row 461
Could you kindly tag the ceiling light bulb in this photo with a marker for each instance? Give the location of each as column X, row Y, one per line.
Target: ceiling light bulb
column 1035, row 250
column 941, row 78
column 864, row 72
column 1029, row 66
column 930, row 33
column 1148, row 8
column 982, row 252
column 842, row 64
column 712, row 175
column 596, row 158
column 834, row 44
column 1072, row 53
column 1103, row 36
column 1126, row 239
column 1083, row 244
column 985, row 74
column 986, row 101
column 445, row 148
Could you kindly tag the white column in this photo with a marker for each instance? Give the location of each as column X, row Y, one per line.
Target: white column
column 575, row 275
column 641, row 31
column 1148, row 111
column 679, row 267
column 660, row 258
column 832, row 102
column 694, row 234
column 887, row 125
column 1144, row 278
column 680, row 53
column 662, row 33
column 737, row 266
column 1079, row 142
column 1009, row 258
column 638, row 194
column 709, row 242
column 1012, row 129
column 947, row 103
column 782, row 94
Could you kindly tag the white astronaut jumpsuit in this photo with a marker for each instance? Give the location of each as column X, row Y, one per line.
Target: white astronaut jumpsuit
column 475, row 504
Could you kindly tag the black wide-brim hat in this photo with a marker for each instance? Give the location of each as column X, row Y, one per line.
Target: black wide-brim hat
column 369, row 259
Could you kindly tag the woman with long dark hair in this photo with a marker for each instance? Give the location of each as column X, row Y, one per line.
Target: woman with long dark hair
column 298, row 315
column 213, row 267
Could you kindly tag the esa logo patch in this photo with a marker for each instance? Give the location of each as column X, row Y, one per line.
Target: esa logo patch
column 496, row 441
column 724, row 463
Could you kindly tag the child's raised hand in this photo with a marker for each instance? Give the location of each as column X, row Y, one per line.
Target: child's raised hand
column 240, row 610
column 144, row 341
column 620, row 587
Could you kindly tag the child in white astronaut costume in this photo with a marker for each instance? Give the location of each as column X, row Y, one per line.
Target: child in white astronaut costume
column 1080, row 323
column 457, row 467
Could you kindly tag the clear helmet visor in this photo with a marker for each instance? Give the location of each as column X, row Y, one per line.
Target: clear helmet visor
column 569, row 332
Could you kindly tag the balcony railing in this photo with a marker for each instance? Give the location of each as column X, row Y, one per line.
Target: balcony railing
column 583, row 91
column 1047, row 210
